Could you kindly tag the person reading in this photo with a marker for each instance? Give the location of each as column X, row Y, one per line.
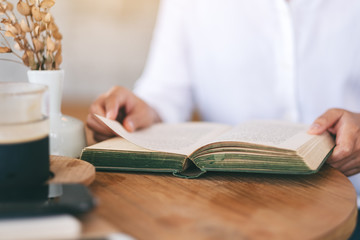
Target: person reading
column 235, row 61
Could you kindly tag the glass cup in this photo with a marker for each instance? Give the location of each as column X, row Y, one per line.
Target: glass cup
column 24, row 134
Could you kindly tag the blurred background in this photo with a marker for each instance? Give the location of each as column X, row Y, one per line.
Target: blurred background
column 105, row 43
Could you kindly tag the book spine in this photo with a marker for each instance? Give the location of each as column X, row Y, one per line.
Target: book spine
column 190, row 170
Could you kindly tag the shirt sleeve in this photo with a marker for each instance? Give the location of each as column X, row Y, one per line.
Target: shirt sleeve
column 165, row 83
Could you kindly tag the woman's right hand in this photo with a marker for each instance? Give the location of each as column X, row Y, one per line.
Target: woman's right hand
column 120, row 104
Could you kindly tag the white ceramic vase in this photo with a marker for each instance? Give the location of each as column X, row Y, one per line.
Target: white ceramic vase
column 67, row 134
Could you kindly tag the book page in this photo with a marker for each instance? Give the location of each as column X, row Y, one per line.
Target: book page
column 181, row 138
column 116, row 144
column 270, row 133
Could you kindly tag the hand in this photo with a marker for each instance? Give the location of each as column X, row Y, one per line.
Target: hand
column 120, row 104
column 345, row 126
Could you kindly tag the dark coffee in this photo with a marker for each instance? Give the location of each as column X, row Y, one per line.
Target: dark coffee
column 24, row 163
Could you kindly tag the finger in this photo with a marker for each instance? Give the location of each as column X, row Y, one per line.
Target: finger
column 98, row 106
column 141, row 117
column 325, row 121
column 136, row 120
column 349, row 163
column 97, row 127
column 352, row 172
column 336, row 164
column 346, row 137
column 129, row 124
column 99, row 137
column 117, row 98
column 332, row 130
column 344, row 164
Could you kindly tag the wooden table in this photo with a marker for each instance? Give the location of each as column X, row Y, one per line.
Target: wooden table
column 223, row 205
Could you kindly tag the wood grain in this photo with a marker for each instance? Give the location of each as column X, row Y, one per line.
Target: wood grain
column 220, row 205
column 70, row 170
column 225, row 206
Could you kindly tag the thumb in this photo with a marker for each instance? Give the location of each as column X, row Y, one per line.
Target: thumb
column 326, row 121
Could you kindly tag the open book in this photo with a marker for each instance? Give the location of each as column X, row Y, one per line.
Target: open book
column 192, row 148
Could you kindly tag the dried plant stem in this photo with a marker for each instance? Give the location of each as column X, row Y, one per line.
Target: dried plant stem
column 31, row 47
column 4, row 36
column 10, row 60
column 31, row 16
column 6, row 41
column 37, row 54
column 32, row 39
column 16, row 55
column 9, row 46
column 8, row 15
column 11, row 18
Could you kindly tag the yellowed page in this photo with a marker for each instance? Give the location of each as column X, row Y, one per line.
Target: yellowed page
column 181, row 138
column 116, row 144
column 270, row 133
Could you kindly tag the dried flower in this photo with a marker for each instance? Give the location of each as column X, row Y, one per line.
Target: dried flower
column 5, row 50
column 23, row 8
column 35, row 33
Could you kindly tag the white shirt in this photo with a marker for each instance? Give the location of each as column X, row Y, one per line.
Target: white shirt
column 235, row 60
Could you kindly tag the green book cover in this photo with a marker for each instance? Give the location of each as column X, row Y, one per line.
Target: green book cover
column 193, row 148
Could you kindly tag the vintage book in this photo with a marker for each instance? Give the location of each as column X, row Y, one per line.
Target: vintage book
column 192, row 148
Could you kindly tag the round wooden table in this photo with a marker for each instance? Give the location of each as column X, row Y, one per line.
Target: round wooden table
column 223, row 206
